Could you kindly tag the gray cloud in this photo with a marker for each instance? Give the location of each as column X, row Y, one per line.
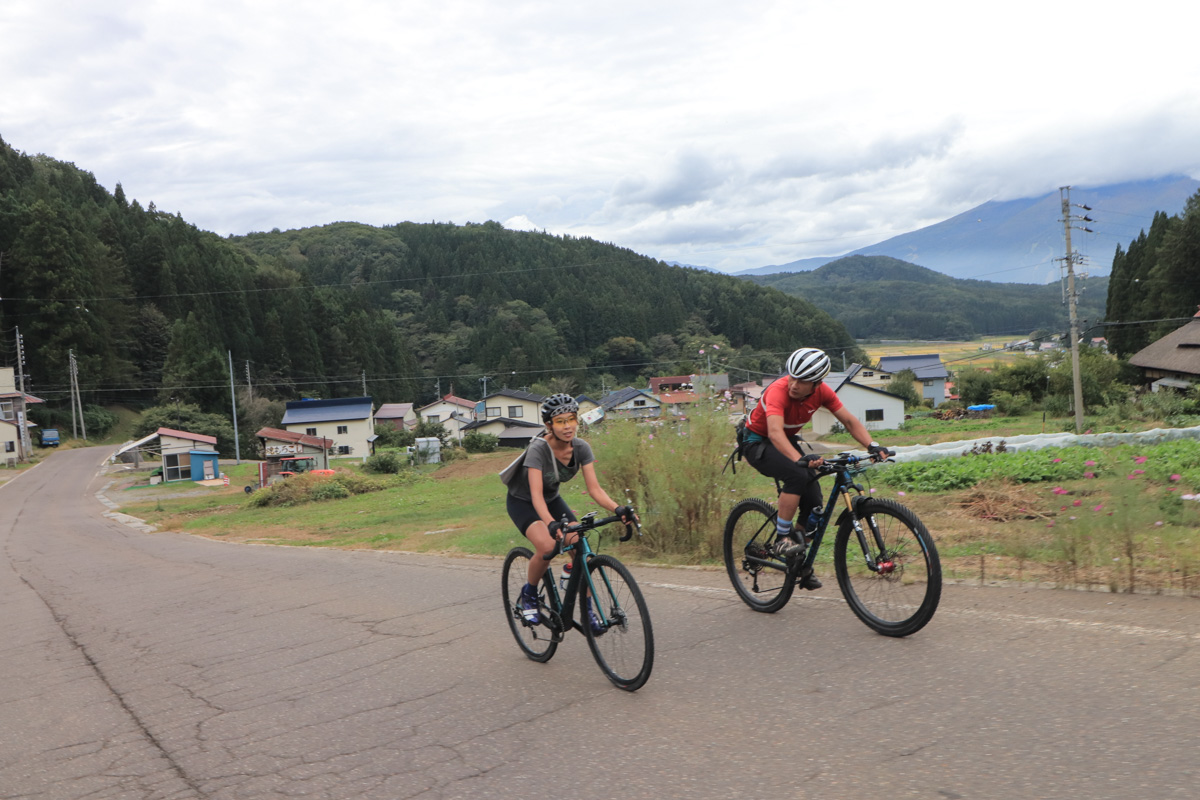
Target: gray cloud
column 703, row 132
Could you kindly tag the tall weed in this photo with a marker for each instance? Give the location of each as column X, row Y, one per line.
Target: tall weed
column 671, row 469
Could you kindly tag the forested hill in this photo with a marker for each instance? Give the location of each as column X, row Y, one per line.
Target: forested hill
column 883, row 297
column 479, row 299
column 152, row 307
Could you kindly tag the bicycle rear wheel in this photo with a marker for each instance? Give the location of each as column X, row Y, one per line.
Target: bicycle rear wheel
column 535, row 640
column 625, row 648
column 749, row 532
column 901, row 594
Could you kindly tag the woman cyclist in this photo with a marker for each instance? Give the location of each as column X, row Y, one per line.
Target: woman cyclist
column 772, row 447
column 534, row 503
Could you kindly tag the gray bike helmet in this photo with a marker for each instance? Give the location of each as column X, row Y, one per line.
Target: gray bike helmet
column 808, row 364
column 557, row 404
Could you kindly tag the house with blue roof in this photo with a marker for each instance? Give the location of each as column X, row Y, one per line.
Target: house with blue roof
column 931, row 373
column 349, row 422
column 630, row 402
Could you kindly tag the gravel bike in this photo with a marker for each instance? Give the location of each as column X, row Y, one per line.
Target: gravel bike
column 623, row 645
column 886, row 562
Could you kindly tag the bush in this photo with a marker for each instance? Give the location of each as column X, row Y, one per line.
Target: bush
column 386, row 463
column 480, row 442
column 99, row 421
column 390, row 436
column 450, row 454
column 1012, row 405
column 310, row 488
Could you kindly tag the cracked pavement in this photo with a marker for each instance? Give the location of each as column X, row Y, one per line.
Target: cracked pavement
column 141, row 664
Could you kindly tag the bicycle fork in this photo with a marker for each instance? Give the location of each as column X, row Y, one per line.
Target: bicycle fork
column 883, row 565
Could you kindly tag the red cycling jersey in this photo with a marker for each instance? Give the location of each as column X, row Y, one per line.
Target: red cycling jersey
column 776, row 403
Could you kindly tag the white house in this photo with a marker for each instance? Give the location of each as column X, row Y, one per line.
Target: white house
column 877, row 409
column 453, row 413
column 347, row 421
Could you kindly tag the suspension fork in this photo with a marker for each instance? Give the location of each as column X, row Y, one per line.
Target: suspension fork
column 844, row 487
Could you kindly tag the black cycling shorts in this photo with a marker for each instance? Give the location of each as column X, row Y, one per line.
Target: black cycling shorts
column 523, row 514
column 796, row 480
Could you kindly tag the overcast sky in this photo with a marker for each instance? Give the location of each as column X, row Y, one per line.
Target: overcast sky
column 726, row 134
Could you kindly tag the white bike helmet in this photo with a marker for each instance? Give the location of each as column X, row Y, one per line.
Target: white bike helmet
column 808, row 364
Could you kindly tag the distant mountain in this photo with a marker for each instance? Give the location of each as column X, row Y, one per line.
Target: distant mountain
column 879, row 297
column 1018, row 240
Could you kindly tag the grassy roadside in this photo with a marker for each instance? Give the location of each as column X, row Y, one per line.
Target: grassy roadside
column 1108, row 522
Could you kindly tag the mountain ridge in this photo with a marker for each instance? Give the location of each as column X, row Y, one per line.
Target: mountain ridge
column 1019, row 241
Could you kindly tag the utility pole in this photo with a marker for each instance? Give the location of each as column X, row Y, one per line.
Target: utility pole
column 364, row 376
column 249, row 387
column 484, row 381
column 23, row 433
column 237, row 445
column 76, row 399
column 1070, row 260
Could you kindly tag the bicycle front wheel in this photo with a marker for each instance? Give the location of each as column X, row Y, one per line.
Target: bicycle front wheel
column 760, row 578
column 624, row 647
column 899, row 595
column 535, row 640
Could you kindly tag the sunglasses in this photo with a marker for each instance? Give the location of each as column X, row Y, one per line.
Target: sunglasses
column 562, row 422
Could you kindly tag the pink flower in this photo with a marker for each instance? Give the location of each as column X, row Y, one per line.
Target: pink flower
column 1089, row 474
column 1089, row 463
column 1131, row 477
column 1077, row 503
column 716, row 347
column 1098, row 507
column 1059, row 490
column 1064, row 508
column 1176, row 477
column 1140, row 460
column 1158, row 524
column 1050, row 524
column 1056, row 461
column 900, row 493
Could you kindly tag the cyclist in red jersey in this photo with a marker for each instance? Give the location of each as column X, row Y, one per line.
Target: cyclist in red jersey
column 772, row 446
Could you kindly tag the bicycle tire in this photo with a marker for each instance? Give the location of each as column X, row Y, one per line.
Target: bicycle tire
column 534, row 640
column 625, row 650
column 901, row 601
column 751, row 526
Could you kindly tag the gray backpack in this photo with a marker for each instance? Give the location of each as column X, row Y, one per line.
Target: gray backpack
column 512, row 470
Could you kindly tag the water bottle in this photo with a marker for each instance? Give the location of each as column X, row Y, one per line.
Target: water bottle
column 810, row 527
column 566, row 576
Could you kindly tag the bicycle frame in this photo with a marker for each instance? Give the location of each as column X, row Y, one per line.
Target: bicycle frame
column 845, row 489
column 582, row 551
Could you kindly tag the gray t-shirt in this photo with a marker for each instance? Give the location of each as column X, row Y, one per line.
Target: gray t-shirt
column 538, row 456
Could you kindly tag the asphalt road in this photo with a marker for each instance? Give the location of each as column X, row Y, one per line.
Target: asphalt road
column 158, row 665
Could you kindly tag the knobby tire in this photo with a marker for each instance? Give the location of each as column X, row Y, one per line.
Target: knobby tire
column 899, row 602
column 750, row 529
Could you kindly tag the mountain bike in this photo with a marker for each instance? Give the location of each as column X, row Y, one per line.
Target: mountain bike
column 624, row 644
column 886, row 562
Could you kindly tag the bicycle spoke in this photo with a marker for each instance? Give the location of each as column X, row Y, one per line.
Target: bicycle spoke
column 624, row 648
column 899, row 594
column 761, row 579
column 534, row 640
